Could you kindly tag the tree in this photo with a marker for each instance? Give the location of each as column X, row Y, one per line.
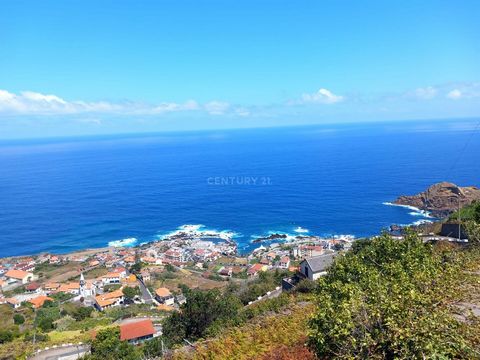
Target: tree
column 130, row 292
column 382, row 301
column 82, row 313
column 473, row 232
column 5, row 336
column 170, row 268
column 203, row 309
column 108, row 346
column 46, row 324
column 18, row 319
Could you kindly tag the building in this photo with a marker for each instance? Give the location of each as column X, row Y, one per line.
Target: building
column 33, row 287
column 256, row 268
column 284, row 262
column 145, row 275
column 108, row 300
column 173, row 255
column 69, row 288
column 225, row 271
column 51, row 287
column 164, row 296
column 307, row 251
column 87, row 288
column 137, row 332
column 38, row 301
column 111, row 278
column 314, row 267
column 20, row 276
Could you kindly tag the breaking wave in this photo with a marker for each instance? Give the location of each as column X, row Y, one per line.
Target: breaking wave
column 128, row 242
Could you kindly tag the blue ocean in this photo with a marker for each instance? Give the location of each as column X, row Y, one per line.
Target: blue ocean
column 60, row 195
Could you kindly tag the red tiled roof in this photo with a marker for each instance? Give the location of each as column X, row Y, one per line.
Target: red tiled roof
column 136, row 330
column 32, row 286
column 16, row 274
column 39, row 301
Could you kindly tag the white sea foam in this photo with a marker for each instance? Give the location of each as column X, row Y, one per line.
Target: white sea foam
column 301, row 230
column 200, row 231
column 420, row 222
column 128, row 242
column 416, row 211
column 344, row 237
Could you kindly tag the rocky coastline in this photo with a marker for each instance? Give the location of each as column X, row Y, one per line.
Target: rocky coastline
column 441, row 199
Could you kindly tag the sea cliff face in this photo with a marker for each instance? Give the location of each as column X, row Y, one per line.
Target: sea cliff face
column 441, row 199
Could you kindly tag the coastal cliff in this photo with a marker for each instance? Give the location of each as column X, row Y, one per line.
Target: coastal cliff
column 441, row 199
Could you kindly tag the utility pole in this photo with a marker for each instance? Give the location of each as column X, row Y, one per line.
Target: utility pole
column 459, row 220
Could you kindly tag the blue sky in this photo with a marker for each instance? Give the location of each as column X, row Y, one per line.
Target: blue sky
column 97, row 67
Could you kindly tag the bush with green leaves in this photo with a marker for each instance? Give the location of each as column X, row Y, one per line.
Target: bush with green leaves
column 203, row 310
column 130, row 292
column 108, row 346
column 388, row 299
column 18, row 319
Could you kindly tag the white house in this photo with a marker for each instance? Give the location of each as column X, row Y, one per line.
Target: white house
column 21, row 276
column 314, row 267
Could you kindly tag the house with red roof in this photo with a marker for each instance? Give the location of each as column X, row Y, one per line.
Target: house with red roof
column 19, row 276
column 137, row 332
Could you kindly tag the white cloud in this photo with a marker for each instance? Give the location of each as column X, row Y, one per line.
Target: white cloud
column 322, row 96
column 216, row 107
column 455, row 94
column 428, row 92
column 34, row 103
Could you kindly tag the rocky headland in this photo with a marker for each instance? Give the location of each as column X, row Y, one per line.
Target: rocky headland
column 441, row 199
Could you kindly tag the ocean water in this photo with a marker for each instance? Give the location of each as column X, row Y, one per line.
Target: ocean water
column 59, row 195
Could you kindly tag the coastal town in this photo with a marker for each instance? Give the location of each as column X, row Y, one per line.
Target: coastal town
column 152, row 276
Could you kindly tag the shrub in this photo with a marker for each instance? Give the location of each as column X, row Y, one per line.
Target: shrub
column 385, row 299
column 18, row 319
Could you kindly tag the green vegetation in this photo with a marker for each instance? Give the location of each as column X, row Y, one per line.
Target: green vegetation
column 203, row 312
column 469, row 216
column 467, row 213
column 107, row 346
column 266, row 281
column 131, row 292
column 18, row 319
column 111, row 287
column 391, row 299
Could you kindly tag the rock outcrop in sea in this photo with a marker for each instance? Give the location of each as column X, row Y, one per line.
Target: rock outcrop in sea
column 441, row 199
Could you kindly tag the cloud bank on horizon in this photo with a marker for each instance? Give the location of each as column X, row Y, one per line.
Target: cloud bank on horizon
column 40, row 104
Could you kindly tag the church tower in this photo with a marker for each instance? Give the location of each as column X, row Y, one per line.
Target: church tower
column 82, row 285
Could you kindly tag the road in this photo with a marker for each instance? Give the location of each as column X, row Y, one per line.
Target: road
column 62, row 353
column 146, row 296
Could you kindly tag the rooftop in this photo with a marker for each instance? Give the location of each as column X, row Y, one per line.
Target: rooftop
column 321, row 262
column 136, row 330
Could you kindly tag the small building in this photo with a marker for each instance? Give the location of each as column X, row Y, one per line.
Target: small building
column 70, row 288
column 225, row 271
column 256, row 268
column 314, row 267
column 14, row 303
column 284, row 262
column 21, row 276
column 164, row 296
column 38, row 301
column 108, row 300
column 145, row 275
column 111, row 278
column 51, row 287
column 33, row 287
column 137, row 332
